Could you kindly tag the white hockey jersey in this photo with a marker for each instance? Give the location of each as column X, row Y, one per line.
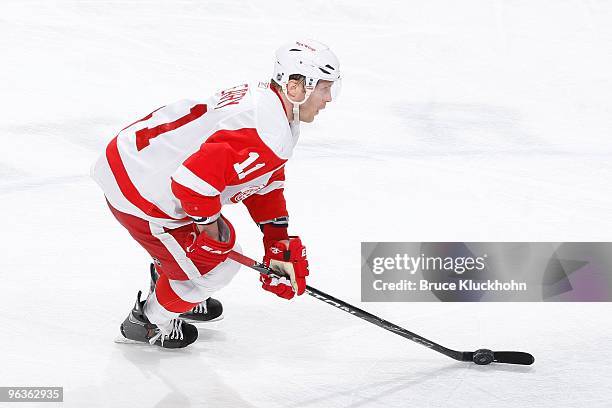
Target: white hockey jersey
column 188, row 159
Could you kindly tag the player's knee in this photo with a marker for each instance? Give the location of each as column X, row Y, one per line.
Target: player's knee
column 220, row 276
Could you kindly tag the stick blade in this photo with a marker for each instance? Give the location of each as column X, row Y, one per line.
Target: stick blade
column 513, row 357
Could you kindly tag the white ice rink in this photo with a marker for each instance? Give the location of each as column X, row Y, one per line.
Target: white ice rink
column 458, row 121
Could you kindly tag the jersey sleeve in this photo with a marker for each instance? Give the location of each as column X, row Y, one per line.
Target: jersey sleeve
column 199, row 181
column 268, row 209
column 269, row 203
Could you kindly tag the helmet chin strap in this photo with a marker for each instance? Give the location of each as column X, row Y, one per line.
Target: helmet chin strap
column 295, row 123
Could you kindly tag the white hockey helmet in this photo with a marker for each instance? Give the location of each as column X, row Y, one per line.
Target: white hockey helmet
column 309, row 58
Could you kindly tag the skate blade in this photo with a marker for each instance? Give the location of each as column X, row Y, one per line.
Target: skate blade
column 122, row 340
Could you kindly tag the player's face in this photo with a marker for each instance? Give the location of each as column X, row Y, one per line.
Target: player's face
column 317, row 100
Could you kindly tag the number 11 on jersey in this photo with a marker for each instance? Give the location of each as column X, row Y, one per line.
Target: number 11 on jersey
column 241, row 167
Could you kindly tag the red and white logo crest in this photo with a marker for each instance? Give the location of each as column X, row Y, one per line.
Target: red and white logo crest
column 245, row 192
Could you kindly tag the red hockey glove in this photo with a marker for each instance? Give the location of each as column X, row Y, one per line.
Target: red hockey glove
column 208, row 252
column 290, row 261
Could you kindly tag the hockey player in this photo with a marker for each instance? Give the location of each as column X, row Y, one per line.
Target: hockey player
column 167, row 176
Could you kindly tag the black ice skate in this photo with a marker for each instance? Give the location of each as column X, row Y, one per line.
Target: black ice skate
column 208, row 311
column 136, row 328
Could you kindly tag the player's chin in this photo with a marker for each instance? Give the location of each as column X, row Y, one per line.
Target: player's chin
column 307, row 118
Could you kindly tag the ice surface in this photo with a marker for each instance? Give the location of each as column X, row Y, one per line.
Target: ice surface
column 468, row 121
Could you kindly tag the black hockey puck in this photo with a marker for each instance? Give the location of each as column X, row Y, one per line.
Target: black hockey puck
column 483, row 357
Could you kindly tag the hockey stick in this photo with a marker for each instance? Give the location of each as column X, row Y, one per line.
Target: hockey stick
column 480, row 357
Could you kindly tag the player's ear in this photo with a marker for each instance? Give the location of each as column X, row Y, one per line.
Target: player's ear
column 295, row 89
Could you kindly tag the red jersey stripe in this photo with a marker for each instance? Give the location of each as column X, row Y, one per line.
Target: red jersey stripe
column 127, row 187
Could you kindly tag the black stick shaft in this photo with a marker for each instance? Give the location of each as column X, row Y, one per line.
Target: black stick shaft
column 355, row 311
column 369, row 317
